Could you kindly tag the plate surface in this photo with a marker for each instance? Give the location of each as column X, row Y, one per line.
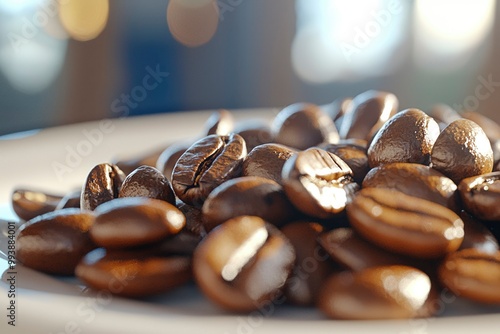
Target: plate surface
column 58, row 159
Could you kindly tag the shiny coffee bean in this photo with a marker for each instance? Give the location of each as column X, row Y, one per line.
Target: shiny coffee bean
column 206, row 164
column 352, row 252
column 56, row 241
column 481, row 195
column 102, row 184
column 27, row 204
column 318, row 183
column 219, row 123
column 133, row 273
column 247, row 196
column 407, row 136
column 311, row 264
column 414, row 180
column 70, row 200
column 462, row 150
column 146, row 159
column 146, row 181
column 370, row 110
column 386, row 292
column 267, row 161
column 353, row 155
column 254, row 132
column 404, row 224
column 477, row 235
column 243, row 264
column 303, row 125
column 168, row 158
column 135, row 221
column 472, row 274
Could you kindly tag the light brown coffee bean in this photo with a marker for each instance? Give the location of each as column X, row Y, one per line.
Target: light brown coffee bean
column 267, row 161
column 56, row 241
column 27, row 204
column 254, row 132
column 408, row 136
column 472, row 274
column 133, row 273
column 404, row 224
column 146, row 181
column 481, row 195
column 135, row 221
column 102, row 184
column 353, row 155
column 243, row 263
column 386, row 292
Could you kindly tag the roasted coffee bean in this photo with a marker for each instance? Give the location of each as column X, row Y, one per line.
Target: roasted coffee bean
column 462, row 150
column 477, row 235
column 353, row 155
column 386, row 292
column 404, row 224
column 407, row 136
column 133, row 273
column 370, row 110
column 168, row 158
column 472, row 274
column 303, row 125
column 27, row 204
column 444, row 115
column 248, row 196
column 481, row 195
column 489, row 126
column 352, row 252
column 254, row 132
column 219, row 123
column 318, row 183
column 56, row 241
column 146, row 159
column 338, row 108
column 311, row 266
column 102, row 184
column 206, row 164
column 267, row 161
column 70, row 200
column 414, row 180
column 135, row 221
column 146, row 181
column 243, row 264
column 497, row 167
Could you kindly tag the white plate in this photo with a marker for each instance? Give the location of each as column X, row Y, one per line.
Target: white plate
column 45, row 304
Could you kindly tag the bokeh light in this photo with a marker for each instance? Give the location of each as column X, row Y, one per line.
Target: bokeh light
column 84, row 20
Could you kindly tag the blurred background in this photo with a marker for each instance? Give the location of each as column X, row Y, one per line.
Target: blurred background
column 67, row 61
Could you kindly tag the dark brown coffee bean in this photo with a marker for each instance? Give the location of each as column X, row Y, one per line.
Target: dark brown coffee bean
column 247, row 196
column 219, row 123
column 146, row 181
column 404, row 224
column 477, row 235
column 70, row 200
column 414, row 180
column 311, row 266
column 102, row 184
column 206, row 164
column 303, row 125
column 444, row 114
column 133, row 273
column 267, row 161
column 352, row 252
column 135, row 221
column 146, row 159
column 243, row 264
column 353, row 155
column 407, row 136
column 56, row 241
column 472, row 274
column 168, row 158
column 27, row 204
column 370, row 110
column 254, row 132
column 481, row 195
column 462, row 150
column 318, row 183
column 386, row 292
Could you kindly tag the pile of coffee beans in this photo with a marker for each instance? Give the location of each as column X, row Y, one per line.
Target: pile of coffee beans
column 356, row 208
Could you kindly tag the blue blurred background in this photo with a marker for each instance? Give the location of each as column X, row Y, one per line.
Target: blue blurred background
column 66, row 61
